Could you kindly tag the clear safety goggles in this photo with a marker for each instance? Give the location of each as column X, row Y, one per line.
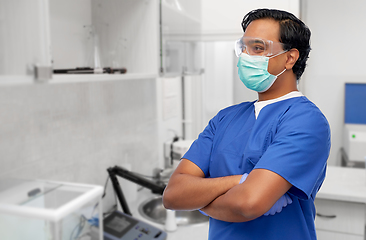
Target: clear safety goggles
column 258, row 47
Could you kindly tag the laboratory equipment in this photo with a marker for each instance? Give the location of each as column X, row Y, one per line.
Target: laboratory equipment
column 180, row 148
column 115, row 171
column 48, row 210
column 354, row 138
column 174, row 151
column 153, row 210
column 122, row 226
column 170, row 221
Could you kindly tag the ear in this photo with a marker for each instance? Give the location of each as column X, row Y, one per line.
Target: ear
column 292, row 56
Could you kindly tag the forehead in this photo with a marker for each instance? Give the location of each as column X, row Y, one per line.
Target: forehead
column 268, row 29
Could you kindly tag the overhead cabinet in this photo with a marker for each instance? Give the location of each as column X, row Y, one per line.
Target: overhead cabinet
column 68, row 34
column 180, row 35
column 105, row 34
column 24, row 38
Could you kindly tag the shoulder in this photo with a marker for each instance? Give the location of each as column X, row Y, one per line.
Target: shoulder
column 227, row 115
column 303, row 116
column 234, row 109
column 305, row 110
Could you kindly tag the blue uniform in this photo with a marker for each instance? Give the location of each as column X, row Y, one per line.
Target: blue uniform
column 291, row 138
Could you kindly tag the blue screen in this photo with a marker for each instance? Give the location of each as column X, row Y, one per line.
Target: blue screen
column 355, row 103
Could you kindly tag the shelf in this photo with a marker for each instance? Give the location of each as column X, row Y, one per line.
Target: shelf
column 73, row 78
column 9, row 80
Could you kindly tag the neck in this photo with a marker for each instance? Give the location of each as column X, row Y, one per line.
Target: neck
column 283, row 85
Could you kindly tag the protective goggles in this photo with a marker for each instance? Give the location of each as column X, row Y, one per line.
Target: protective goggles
column 258, row 47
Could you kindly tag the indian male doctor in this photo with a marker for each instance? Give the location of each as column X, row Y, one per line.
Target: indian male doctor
column 257, row 166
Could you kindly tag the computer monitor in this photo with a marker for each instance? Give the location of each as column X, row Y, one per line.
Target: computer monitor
column 355, row 103
column 354, row 137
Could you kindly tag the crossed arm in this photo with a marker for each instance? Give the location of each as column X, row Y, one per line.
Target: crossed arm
column 224, row 198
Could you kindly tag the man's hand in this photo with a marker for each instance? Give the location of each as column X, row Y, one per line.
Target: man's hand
column 277, row 207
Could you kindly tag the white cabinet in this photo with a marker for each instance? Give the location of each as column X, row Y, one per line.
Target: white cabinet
column 181, row 46
column 69, row 34
column 341, row 205
column 327, row 235
column 181, row 19
column 24, row 37
column 105, row 33
column 337, row 219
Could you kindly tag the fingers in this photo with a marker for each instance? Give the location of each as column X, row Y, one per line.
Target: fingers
column 279, row 205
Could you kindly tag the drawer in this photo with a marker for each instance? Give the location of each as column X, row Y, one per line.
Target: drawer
column 339, row 216
column 325, row 235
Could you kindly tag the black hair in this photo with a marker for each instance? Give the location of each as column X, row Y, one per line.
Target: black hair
column 293, row 33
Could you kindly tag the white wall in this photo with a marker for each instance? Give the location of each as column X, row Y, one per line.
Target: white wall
column 222, row 19
column 218, row 84
column 74, row 131
column 335, row 27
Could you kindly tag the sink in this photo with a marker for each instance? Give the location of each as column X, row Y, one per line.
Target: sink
column 153, row 210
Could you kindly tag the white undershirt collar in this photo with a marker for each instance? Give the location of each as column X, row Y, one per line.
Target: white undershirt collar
column 260, row 105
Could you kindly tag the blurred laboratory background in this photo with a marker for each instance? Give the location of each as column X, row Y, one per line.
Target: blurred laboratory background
column 90, row 84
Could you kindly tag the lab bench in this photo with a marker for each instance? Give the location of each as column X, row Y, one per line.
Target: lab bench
column 341, row 205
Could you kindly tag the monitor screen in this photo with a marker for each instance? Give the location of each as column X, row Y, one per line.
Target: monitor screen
column 117, row 224
column 355, row 103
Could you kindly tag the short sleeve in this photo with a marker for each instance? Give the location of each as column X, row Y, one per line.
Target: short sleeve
column 300, row 149
column 200, row 151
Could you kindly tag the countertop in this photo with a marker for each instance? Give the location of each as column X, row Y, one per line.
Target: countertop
column 344, row 184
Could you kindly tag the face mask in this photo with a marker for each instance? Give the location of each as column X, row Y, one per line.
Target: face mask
column 253, row 72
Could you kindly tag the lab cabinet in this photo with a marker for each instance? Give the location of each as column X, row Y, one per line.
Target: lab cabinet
column 24, row 37
column 38, row 37
column 181, row 19
column 105, row 34
column 327, row 235
column 180, row 35
column 42, row 38
column 341, row 204
column 44, row 210
column 182, row 58
column 339, row 220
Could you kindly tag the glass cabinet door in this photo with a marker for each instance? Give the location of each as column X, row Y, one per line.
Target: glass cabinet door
column 105, row 35
column 38, row 36
column 24, row 38
column 181, row 46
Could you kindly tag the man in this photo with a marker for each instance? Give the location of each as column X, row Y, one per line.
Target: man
column 257, row 166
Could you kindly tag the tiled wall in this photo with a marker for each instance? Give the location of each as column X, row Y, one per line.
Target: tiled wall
column 74, row 131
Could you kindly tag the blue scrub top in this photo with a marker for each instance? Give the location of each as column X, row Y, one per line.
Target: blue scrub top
column 290, row 138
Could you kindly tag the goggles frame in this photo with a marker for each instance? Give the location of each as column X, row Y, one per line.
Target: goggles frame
column 258, row 47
